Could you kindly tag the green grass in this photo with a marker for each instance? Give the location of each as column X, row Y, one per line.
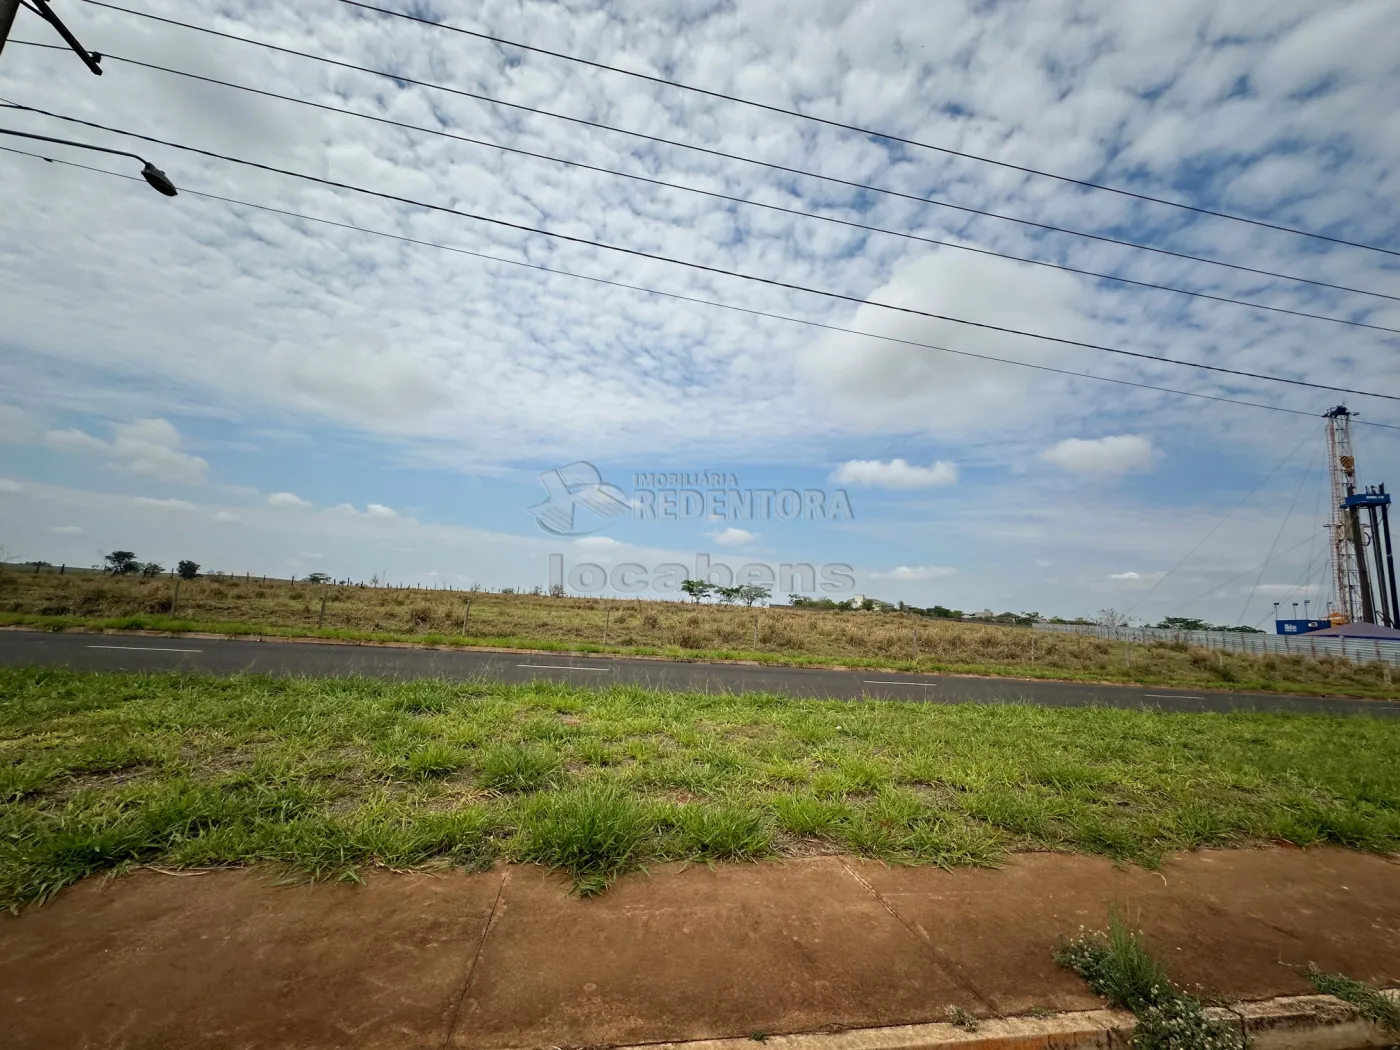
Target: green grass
column 1378, row 1008
column 103, row 771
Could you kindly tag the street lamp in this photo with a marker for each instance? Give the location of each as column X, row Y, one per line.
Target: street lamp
column 157, row 178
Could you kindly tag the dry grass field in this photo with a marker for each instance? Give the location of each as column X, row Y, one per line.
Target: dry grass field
column 231, row 605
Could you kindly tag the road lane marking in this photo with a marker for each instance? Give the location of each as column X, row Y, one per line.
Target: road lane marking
column 1172, row 696
column 565, row 667
column 146, row 648
column 910, row 685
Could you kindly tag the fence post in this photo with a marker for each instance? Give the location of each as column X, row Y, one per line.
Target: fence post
column 914, row 635
column 175, row 601
column 321, row 617
column 466, row 612
column 607, row 618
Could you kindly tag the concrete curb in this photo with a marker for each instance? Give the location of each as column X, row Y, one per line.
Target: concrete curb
column 1303, row 1022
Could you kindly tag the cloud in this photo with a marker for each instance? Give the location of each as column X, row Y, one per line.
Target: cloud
column 733, row 537
column 287, row 499
column 10, row 485
column 1125, row 575
column 896, row 474
column 66, row 530
column 224, row 516
column 146, row 446
column 1120, row 454
column 377, row 511
column 916, row 572
column 165, row 504
column 597, row 543
column 17, row 425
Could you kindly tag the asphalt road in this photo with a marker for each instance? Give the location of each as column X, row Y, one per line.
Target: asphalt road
column 113, row 652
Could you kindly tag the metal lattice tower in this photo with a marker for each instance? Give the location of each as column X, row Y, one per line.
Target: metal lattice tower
column 1341, row 461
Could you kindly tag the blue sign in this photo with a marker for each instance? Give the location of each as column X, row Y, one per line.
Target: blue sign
column 1300, row 626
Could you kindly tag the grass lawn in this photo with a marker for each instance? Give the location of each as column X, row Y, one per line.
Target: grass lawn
column 102, row 771
column 779, row 634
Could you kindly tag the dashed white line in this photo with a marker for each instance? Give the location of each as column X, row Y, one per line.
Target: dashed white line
column 565, row 667
column 146, row 648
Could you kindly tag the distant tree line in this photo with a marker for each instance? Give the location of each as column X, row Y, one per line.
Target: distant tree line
column 125, row 563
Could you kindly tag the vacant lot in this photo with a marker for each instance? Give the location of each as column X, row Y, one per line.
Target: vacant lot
column 103, row 771
column 780, row 635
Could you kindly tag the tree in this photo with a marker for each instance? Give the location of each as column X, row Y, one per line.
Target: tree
column 752, row 592
column 121, row 563
column 728, row 595
column 187, row 570
column 151, row 570
column 311, row 577
column 1183, row 623
column 697, row 589
column 1111, row 618
column 556, row 590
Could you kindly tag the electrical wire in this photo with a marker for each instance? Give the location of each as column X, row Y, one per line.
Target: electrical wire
column 1249, row 597
column 1239, row 576
column 855, row 128
column 750, row 311
column 1216, row 527
column 702, row 267
column 400, row 80
column 109, row 57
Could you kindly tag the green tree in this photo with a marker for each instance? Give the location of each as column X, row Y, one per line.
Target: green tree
column 187, row 570
column 729, row 595
column 697, row 589
column 121, row 563
column 315, row 577
column 152, row 569
column 753, row 592
column 1182, row 623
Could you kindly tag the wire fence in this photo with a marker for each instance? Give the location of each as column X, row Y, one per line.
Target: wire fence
column 1357, row 650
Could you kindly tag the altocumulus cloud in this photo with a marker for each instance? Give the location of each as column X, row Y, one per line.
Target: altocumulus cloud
column 896, row 474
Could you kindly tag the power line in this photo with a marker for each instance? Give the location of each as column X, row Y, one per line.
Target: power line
column 728, row 197
column 860, row 130
column 401, row 79
column 702, row 267
column 751, row 311
column 1249, row 596
column 1216, row 527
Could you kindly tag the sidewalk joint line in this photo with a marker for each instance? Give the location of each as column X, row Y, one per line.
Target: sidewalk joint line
column 471, row 970
column 947, row 966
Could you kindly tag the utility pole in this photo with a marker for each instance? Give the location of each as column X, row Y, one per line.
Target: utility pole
column 8, row 10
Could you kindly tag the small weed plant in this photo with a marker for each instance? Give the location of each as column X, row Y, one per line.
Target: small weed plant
column 1118, row 965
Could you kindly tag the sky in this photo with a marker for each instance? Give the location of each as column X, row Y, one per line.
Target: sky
column 427, row 403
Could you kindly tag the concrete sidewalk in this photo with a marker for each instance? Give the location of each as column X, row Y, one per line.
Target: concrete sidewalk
column 508, row 959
